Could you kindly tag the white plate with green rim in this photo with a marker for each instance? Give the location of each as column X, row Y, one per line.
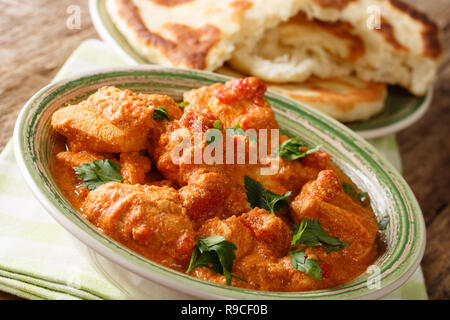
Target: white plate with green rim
column 389, row 193
column 401, row 110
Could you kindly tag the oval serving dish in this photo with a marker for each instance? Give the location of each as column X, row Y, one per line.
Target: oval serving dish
column 389, row 193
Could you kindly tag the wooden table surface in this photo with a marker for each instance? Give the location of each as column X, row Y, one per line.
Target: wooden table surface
column 35, row 41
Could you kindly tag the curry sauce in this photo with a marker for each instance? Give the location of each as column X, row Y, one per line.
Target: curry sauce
column 118, row 160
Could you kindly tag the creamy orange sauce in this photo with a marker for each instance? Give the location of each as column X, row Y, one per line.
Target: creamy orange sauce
column 160, row 208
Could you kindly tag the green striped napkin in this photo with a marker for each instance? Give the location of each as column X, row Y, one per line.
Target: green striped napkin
column 39, row 259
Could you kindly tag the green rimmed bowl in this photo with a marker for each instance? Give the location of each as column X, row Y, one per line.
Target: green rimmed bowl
column 141, row 278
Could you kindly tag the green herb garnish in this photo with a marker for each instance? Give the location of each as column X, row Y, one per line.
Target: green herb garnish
column 98, row 172
column 300, row 262
column 183, row 104
column 259, row 197
column 290, row 149
column 238, row 131
column 214, row 253
column 311, row 234
column 216, row 124
column 360, row 197
column 160, row 113
column 298, row 232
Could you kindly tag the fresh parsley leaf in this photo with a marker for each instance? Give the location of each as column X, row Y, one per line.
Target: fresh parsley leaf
column 297, row 234
column 383, row 223
column 360, row 197
column 238, row 131
column 183, row 104
column 98, row 172
column 207, row 242
column 161, row 113
column 214, row 253
column 311, row 234
column 255, row 193
column 216, row 124
column 275, row 201
column 291, row 149
column 259, row 197
column 300, row 262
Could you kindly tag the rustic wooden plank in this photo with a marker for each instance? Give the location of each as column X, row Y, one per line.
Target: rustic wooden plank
column 425, row 150
column 35, row 42
column 435, row 264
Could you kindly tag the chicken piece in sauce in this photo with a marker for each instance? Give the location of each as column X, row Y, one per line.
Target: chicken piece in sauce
column 147, row 219
column 134, row 167
column 324, row 199
column 263, row 240
column 110, row 120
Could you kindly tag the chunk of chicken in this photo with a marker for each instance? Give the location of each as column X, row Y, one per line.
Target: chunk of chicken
column 111, row 120
column 266, row 272
column 148, row 219
column 74, row 159
column 233, row 230
column 341, row 217
column 268, row 229
column 134, row 167
column 239, row 101
column 262, row 240
column 202, row 194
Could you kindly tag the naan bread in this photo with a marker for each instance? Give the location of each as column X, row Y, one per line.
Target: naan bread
column 346, row 99
column 332, row 38
column 197, row 34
